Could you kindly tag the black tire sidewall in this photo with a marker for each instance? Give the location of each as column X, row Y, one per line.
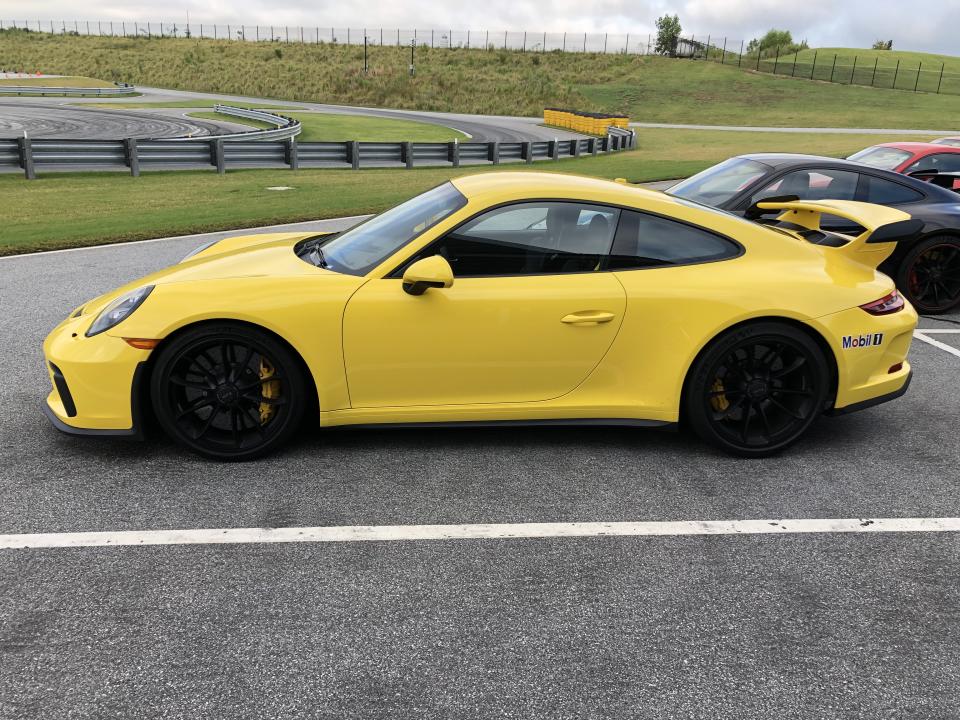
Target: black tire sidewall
column 903, row 271
column 278, row 353
column 695, row 411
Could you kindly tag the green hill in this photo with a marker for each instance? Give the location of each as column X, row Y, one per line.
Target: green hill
column 651, row 89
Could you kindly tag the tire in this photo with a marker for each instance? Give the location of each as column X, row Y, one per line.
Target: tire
column 929, row 275
column 755, row 390
column 228, row 392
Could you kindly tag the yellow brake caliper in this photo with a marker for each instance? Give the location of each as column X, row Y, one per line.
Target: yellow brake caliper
column 718, row 402
column 270, row 389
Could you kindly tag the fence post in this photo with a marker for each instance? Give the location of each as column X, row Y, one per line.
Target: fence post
column 813, row 68
column 291, row 155
column 25, row 145
column 919, row 70
column 793, row 72
column 723, row 53
column 740, row 56
column 874, row 77
column 575, row 150
column 526, row 151
column 132, row 156
column 759, row 53
column 453, row 153
column 493, row 152
column 553, row 149
column 592, row 146
column 833, row 69
column 895, row 73
column 940, row 81
column 707, row 57
column 406, row 154
column 854, row 71
column 776, row 62
column 216, row 156
column 353, row 154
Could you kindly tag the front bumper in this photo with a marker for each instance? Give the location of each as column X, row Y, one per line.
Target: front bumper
column 95, row 382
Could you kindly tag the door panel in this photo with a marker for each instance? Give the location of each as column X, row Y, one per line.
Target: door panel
column 484, row 340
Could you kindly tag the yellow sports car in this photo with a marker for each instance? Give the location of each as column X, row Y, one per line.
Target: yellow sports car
column 501, row 298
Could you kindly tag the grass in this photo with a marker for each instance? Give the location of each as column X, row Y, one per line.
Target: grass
column 72, row 82
column 94, row 208
column 327, row 127
column 651, row 89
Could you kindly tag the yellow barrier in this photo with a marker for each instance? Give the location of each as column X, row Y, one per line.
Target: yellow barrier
column 589, row 123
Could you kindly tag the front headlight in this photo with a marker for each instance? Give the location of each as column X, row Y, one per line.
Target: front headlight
column 118, row 310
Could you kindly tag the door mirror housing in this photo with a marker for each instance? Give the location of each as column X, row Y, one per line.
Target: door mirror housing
column 430, row 272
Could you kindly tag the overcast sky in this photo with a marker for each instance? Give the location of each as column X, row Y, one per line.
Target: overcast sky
column 926, row 25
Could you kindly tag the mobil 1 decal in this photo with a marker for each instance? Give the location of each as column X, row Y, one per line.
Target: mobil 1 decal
column 852, row 342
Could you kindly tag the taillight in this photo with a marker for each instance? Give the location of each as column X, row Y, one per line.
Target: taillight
column 886, row 305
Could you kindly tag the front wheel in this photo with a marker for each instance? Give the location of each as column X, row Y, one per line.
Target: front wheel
column 930, row 275
column 756, row 390
column 228, row 392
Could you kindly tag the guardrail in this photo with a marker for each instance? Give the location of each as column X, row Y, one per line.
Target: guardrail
column 31, row 155
column 286, row 129
column 121, row 89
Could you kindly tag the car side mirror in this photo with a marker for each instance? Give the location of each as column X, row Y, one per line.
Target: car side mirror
column 755, row 213
column 430, row 272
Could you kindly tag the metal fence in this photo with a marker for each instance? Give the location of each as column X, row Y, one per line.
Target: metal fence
column 120, row 89
column 31, row 156
column 524, row 40
column 286, row 129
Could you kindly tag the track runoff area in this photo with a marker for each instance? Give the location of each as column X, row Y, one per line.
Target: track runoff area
column 932, row 333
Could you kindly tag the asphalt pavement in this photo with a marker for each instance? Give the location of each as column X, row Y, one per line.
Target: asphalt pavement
column 796, row 626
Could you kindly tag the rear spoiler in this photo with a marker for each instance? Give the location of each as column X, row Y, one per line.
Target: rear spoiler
column 935, row 177
column 883, row 227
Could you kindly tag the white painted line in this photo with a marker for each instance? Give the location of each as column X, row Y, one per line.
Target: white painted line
column 287, row 227
column 926, row 331
column 936, row 343
column 382, row 533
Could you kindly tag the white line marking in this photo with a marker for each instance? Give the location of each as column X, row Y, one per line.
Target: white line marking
column 938, row 331
column 936, row 343
column 366, row 533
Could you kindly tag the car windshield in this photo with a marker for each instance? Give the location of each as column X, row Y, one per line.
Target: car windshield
column 718, row 184
column 886, row 158
column 361, row 249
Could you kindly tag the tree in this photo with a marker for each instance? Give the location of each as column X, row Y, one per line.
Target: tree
column 883, row 45
column 668, row 35
column 775, row 39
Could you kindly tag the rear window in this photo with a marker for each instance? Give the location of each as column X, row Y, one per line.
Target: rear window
column 886, row 192
column 881, row 157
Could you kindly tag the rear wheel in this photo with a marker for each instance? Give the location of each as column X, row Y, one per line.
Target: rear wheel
column 756, row 390
column 228, row 392
column 930, row 275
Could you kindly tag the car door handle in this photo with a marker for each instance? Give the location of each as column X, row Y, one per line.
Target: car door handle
column 587, row 317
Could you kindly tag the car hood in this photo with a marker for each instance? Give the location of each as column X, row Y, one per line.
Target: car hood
column 247, row 256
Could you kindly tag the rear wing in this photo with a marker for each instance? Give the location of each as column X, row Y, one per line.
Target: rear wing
column 883, row 227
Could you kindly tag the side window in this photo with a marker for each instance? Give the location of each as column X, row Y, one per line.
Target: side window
column 944, row 162
column 887, row 192
column 530, row 239
column 649, row 241
column 813, row 185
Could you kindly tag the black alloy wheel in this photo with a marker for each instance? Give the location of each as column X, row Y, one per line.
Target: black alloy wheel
column 930, row 275
column 756, row 390
column 228, row 392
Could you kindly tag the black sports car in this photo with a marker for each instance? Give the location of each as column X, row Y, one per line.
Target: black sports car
column 926, row 268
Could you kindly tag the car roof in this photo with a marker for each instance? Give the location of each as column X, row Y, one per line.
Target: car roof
column 781, row 161
column 919, row 148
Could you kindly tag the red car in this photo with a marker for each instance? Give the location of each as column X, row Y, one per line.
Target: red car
column 912, row 157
